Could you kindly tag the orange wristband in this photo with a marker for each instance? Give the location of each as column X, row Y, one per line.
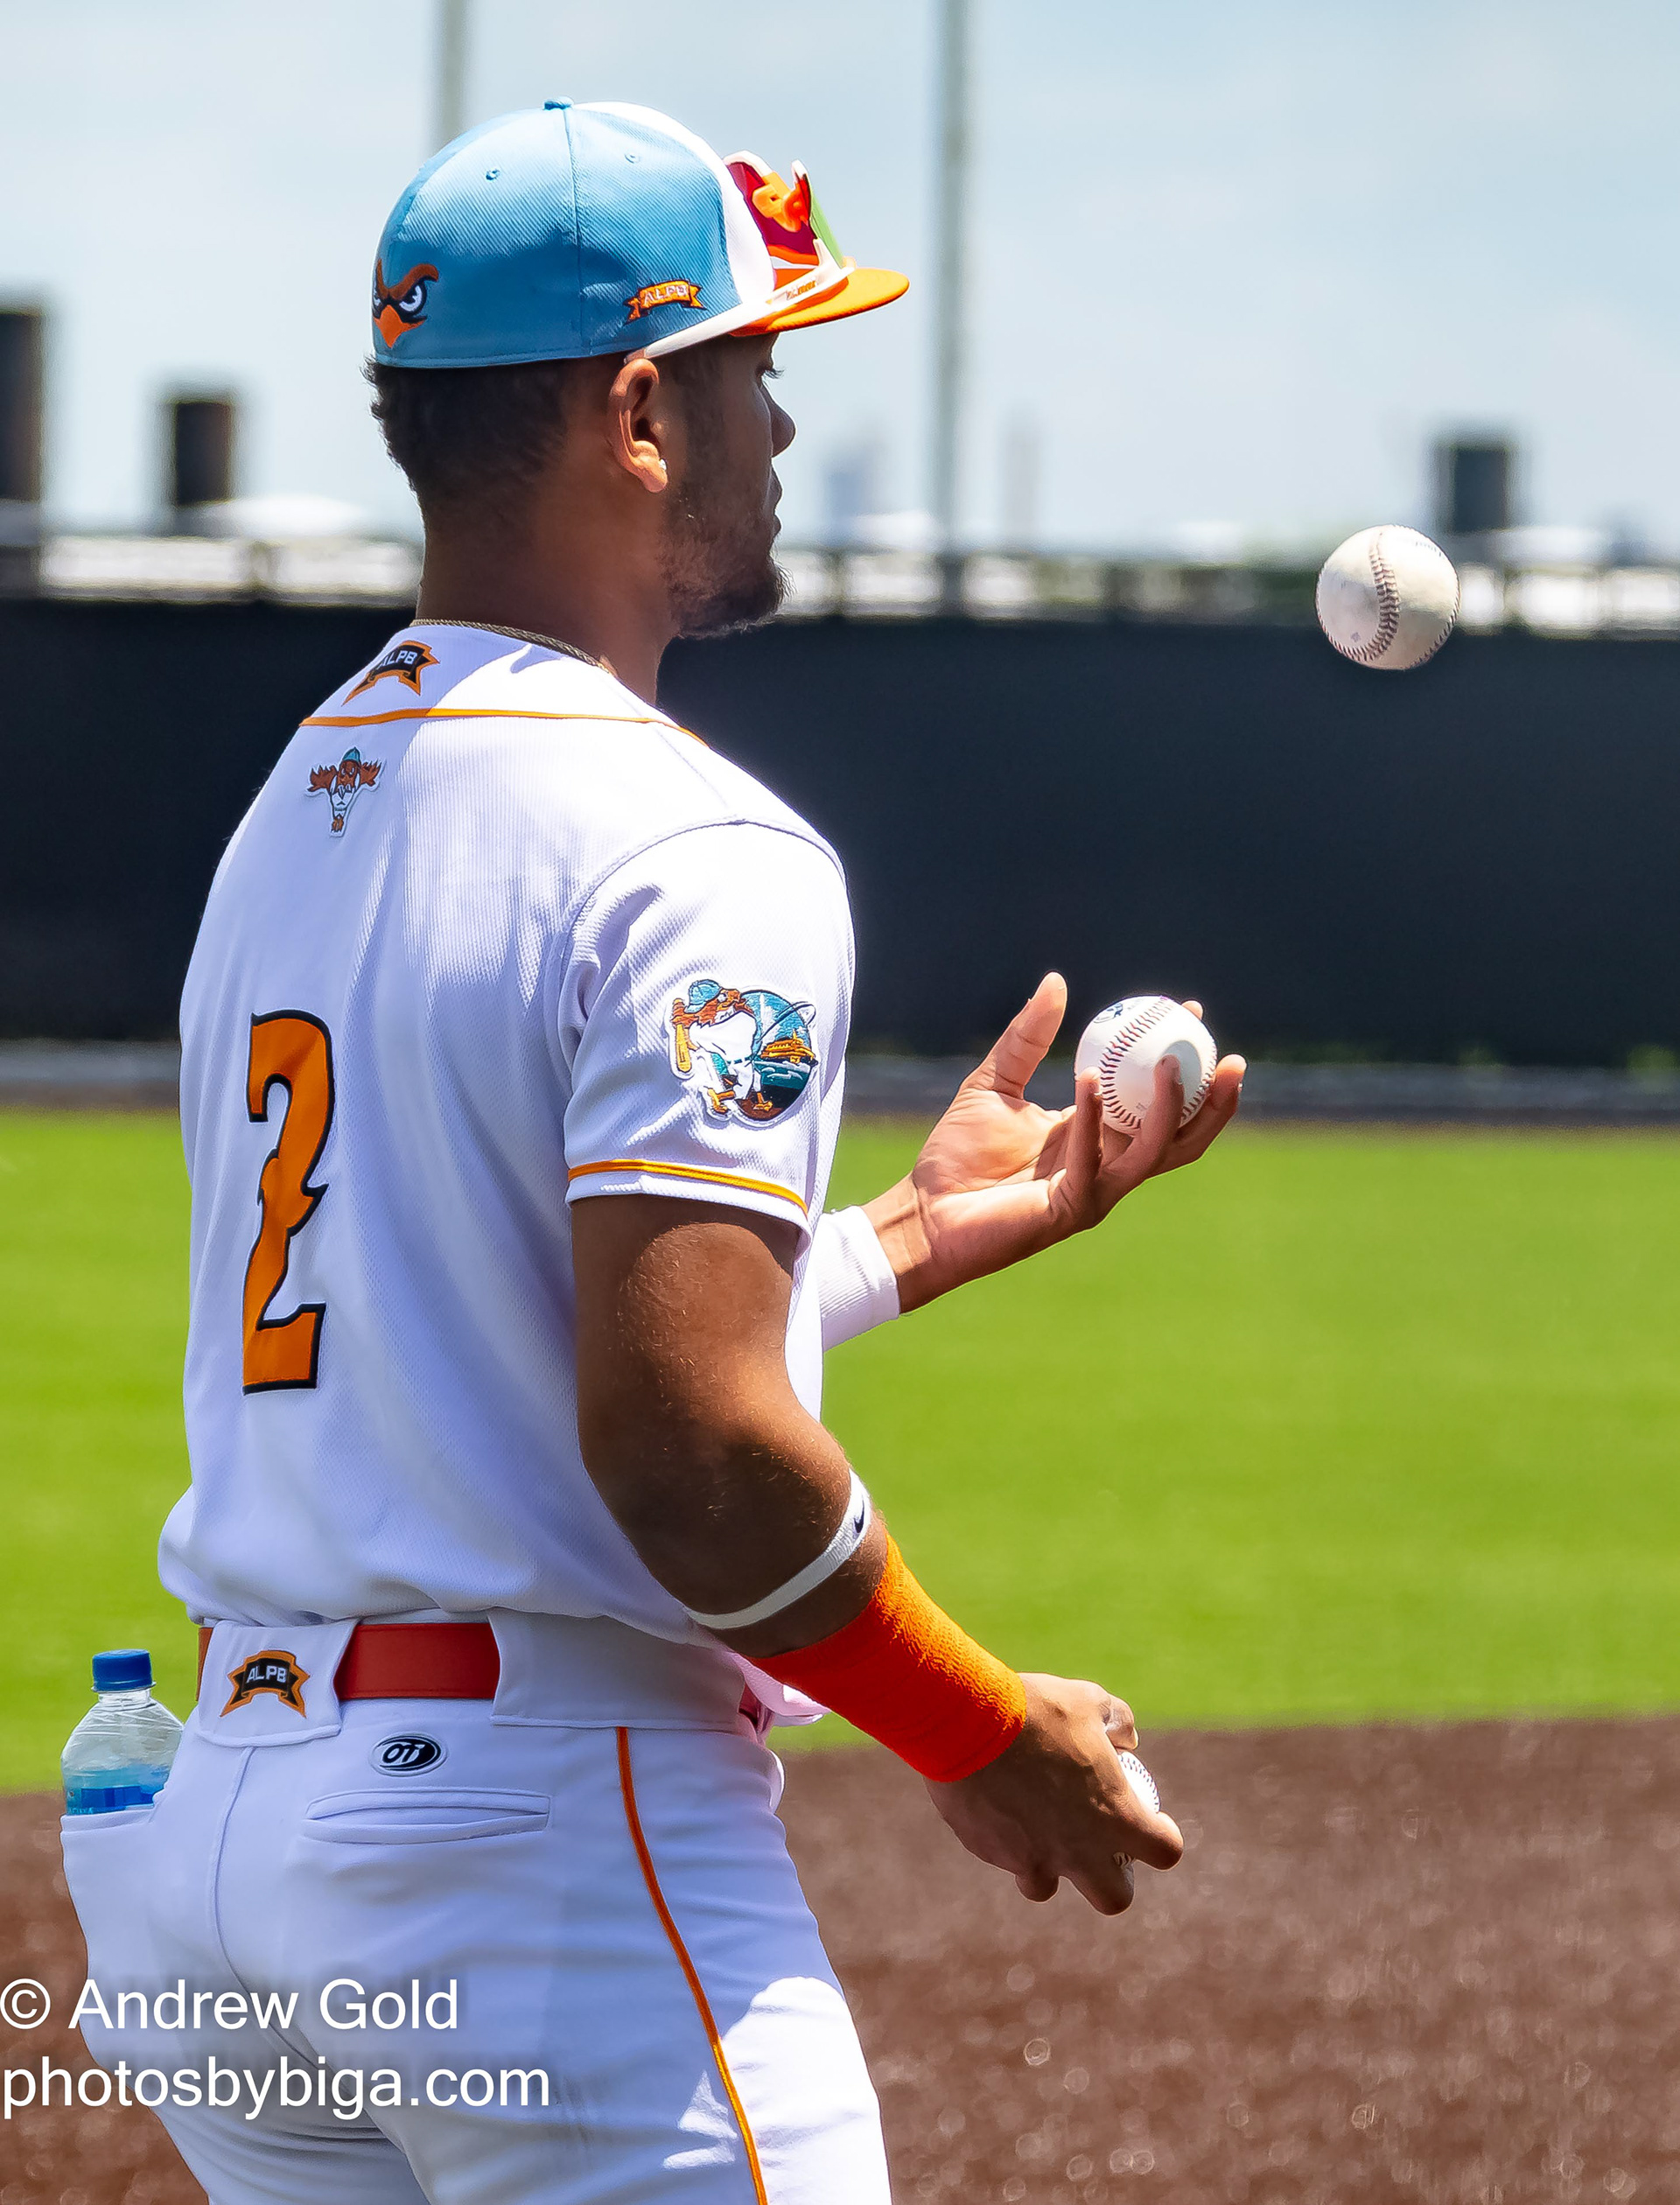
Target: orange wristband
column 903, row 1672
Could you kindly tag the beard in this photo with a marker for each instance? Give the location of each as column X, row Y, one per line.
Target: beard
column 719, row 566
column 719, row 557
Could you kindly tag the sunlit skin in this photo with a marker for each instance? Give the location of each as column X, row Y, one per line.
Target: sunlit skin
column 654, row 516
column 598, row 551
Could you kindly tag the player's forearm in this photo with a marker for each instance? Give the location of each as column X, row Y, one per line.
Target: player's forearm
column 726, row 1511
column 734, row 1523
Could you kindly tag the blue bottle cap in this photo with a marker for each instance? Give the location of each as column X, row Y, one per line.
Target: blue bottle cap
column 127, row 1670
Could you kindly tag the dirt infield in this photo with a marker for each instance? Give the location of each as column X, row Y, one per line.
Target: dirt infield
column 1434, row 1965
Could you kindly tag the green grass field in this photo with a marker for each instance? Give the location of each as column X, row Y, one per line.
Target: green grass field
column 1336, row 1426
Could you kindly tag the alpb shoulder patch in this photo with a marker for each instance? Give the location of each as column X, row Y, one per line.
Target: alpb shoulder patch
column 745, row 1049
column 343, row 783
column 405, row 662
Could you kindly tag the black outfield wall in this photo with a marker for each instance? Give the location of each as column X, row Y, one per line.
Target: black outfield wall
column 1479, row 854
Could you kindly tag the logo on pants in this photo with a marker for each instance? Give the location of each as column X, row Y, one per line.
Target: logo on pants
column 270, row 1671
column 406, row 1754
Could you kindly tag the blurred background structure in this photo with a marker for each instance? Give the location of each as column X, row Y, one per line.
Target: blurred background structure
column 1238, row 270
column 1058, row 516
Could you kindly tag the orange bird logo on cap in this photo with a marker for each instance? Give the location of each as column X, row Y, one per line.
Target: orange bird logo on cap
column 784, row 213
column 401, row 306
column 788, row 205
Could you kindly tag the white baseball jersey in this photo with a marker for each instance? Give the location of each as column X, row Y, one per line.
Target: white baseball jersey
column 494, row 937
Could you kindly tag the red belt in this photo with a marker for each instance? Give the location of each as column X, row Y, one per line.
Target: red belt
column 409, row 1661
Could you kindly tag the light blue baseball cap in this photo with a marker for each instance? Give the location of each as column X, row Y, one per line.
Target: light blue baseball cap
column 568, row 232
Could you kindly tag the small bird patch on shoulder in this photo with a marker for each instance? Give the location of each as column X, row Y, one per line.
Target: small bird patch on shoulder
column 343, row 783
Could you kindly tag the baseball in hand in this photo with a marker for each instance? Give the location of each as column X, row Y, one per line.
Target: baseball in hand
column 1388, row 598
column 1141, row 1782
column 1123, row 1043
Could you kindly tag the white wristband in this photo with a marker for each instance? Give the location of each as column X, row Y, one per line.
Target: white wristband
column 854, row 1528
column 856, row 1288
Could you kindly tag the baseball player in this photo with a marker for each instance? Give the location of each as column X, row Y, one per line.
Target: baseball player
column 514, row 1042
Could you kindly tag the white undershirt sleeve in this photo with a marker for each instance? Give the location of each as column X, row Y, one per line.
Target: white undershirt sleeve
column 856, row 1286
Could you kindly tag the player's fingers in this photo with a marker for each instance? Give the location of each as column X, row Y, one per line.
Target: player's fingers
column 1082, row 1156
column 1109, row 1890
column 1148, row 1835
column 1215, row 1113
column 1037, row 1883
column 1121, row 1725
column 1147, row 1152
column 1020, row 1049
column 1193, row 1007
column 1052, row 1157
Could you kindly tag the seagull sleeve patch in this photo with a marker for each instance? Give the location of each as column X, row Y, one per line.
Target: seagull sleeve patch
column 745, row 1050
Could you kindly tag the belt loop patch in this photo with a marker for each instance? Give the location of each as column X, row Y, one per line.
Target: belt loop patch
column 271, row 1684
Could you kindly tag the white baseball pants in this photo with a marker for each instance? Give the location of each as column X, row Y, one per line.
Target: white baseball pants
column 642, row 2008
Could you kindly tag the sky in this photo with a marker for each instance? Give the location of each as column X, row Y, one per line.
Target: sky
column 1237, row 264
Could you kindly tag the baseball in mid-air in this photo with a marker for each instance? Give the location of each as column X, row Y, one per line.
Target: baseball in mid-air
column 1123, row 1043
column 1141, row 1782
column 1388, row 598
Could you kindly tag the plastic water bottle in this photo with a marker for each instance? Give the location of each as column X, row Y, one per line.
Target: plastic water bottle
column 119, row 1753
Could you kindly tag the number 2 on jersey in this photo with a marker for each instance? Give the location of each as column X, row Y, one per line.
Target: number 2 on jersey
column 291, row 1050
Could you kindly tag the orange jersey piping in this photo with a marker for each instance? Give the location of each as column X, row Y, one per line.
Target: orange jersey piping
column 461, row 712
column 649, row 1876
column 689, row 1172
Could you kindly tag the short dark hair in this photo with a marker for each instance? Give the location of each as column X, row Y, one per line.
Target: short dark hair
column 471, row 435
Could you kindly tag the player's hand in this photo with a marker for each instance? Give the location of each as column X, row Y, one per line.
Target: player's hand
column 999, row 1178
column 1056, row 1803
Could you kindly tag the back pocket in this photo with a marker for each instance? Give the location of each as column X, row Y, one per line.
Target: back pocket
column 431, row 1817
column 107, row 1866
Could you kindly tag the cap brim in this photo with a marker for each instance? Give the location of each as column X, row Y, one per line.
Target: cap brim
column 863, row 289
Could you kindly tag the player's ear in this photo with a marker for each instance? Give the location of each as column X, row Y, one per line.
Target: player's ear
column 641, row 424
